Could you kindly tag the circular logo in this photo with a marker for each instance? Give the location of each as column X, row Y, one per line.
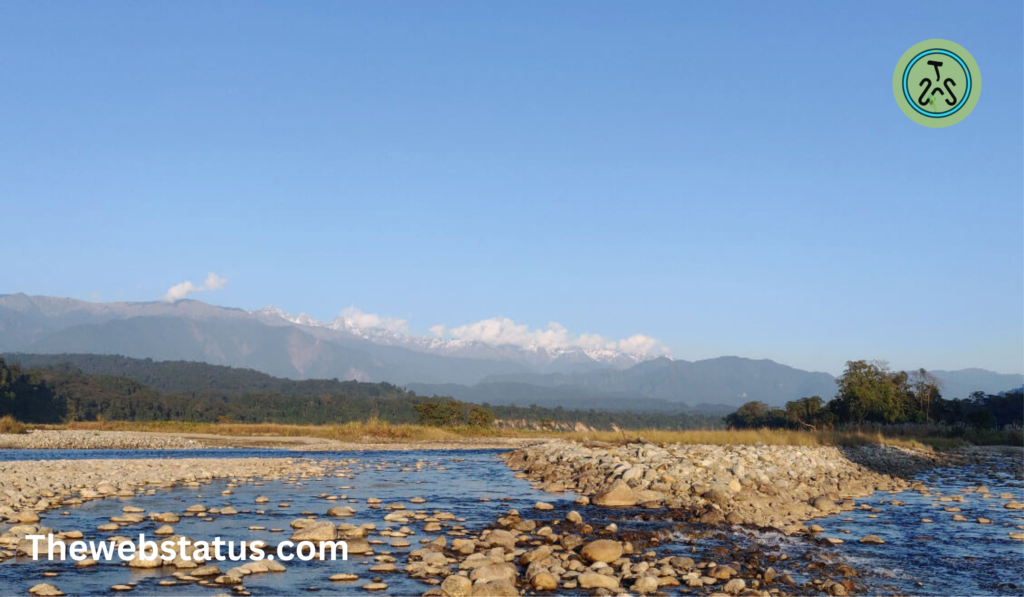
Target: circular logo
column 936, row 83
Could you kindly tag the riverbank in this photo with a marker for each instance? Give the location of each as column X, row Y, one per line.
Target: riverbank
column 766, row 486
column 83, row 439
column 378, row 435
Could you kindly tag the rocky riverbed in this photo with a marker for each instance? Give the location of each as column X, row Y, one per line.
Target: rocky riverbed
column 459, row 524
column 46, row 439
column 28, row 488
column 778, row 486
column 78, row 439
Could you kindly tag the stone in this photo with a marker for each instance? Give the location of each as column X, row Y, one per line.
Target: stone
column 824, row 503
column 343, row 577
column 375, row 586
column 358, row 546
column 593, row 580
column 318, row 531
column 645, row 584
column 619, row 494
column 457, row 586
column 681, row 563
column 735, row 586
column 543, row 506
column 497, row 588
column 544, row 581
column 492, row 572
column 602, row 550
column 499, row 538
column 872, row 540
column 341, row 512
column 45, row 589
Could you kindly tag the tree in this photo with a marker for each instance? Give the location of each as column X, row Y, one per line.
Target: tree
column 750, row 415
column 441, row 413
column 869, row 391
column 809, row 413
column 480, row 416
column 927, row 389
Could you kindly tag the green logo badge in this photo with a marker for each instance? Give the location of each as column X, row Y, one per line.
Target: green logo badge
column 936, row 83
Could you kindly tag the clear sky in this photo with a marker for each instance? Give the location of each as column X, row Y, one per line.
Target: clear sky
column 729, row 178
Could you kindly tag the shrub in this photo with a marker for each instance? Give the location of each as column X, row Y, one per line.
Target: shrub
column 10, row 425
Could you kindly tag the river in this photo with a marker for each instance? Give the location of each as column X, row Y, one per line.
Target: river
column 939, row 558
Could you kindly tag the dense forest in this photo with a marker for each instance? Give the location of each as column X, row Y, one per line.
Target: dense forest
column 869, row 392
column 65, row 388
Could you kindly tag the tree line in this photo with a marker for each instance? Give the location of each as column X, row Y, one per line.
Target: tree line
column 870, row 392
column 56, row 389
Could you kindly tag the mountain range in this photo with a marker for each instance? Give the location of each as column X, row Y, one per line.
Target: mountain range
column 300, row 347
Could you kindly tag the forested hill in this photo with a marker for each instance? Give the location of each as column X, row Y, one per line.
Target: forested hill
column 193, row 377
column 83, row 387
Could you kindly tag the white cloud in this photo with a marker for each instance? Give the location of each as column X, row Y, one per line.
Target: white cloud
column 214, row 282
column 180, row 291
column 438, row 330
column 354, row 317
column 502, row 331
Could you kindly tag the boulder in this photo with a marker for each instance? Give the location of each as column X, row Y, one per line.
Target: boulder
column 497, row 588
column 593, row 580
column 318, row 531
column 602, row 550
column 619, row 494
column 457, row 586
column 492, row 572
column 544, row 581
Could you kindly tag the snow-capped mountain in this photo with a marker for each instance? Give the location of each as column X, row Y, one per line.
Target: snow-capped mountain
column 569, row 357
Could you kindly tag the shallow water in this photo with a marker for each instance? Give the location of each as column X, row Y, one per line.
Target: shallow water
column 946, row 558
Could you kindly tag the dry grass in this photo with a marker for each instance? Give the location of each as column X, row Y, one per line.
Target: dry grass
column 375, row 431
column 9, row 424
column 382, row 432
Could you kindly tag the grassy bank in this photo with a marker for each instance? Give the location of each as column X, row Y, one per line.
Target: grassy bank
column 381, row 432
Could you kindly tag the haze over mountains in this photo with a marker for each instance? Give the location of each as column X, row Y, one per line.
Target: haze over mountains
column 269, row 340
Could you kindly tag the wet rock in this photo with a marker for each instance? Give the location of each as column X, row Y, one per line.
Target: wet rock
column 593, row 580
column 317, row 531
column 544, row 581
column 457, row 586
column 872, row 540
column 619, row 494
column 602, row 550
column 645, row 584
column 45, row 590
column 492, row 572
column 497, row 588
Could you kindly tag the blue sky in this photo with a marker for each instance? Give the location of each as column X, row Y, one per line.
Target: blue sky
column 728, row 178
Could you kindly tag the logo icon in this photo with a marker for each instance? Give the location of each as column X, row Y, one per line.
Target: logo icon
column 936, row 83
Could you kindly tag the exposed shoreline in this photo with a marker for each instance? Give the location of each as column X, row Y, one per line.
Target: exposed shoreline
column 766, row 486
column 74, row 439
